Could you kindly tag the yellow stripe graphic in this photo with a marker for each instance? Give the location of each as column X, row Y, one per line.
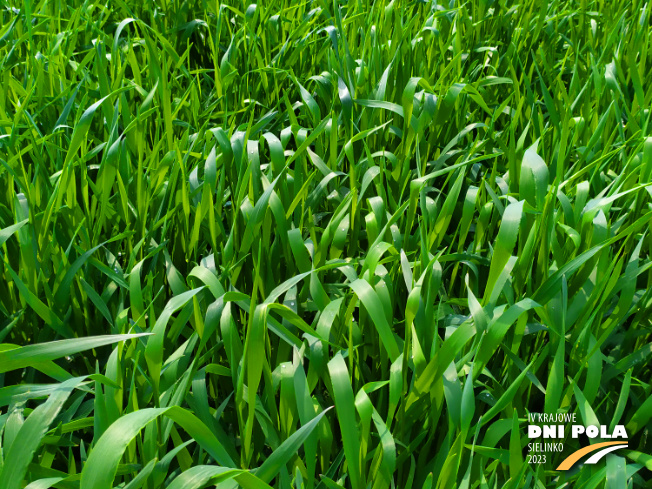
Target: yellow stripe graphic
column 575, row 456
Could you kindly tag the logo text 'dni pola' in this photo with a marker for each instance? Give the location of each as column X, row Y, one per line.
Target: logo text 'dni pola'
column 551, row 429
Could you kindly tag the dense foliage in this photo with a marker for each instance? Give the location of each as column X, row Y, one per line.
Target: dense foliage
column 322, row 244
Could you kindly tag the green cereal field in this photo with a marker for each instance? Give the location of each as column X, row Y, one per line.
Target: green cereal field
column 325, row 244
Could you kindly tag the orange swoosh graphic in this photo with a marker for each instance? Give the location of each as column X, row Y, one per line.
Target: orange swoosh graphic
column 575, row 456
